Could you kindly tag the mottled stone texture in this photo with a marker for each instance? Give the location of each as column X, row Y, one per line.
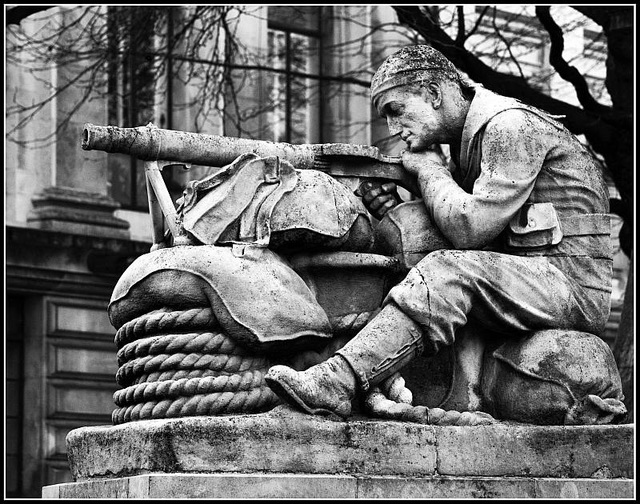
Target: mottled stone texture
column 285, row 441
column 287, row 454
column 260, row 486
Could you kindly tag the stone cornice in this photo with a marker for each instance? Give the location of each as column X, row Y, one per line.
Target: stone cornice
column 44, row 261
column 58, row 239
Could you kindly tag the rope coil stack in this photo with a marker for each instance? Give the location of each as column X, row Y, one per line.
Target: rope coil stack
column 180, row 363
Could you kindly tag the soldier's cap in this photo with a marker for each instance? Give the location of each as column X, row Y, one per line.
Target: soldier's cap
column 410, row 65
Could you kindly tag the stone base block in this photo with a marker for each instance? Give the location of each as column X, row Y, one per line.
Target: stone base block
column 314, row 486
column 284, row 453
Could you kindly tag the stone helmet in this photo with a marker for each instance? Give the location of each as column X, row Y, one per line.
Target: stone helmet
column 411, row 65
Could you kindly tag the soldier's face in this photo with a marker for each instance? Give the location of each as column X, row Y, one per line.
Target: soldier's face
column 411, row 113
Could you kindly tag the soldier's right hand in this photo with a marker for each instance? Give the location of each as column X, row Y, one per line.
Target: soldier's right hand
column 379, row 198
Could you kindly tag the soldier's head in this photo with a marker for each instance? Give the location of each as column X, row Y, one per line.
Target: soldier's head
column 422, row 96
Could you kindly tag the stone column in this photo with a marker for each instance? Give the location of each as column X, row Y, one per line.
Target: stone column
column 346, row 105
column 67, row 186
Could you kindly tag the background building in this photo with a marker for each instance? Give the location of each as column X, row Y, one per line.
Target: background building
column 74, row 219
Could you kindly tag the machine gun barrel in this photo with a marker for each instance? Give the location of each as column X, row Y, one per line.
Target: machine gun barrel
column 151, row 143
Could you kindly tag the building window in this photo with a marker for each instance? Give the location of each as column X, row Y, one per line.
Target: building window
column 138, row 35
column 294, row 49
column 135, row 65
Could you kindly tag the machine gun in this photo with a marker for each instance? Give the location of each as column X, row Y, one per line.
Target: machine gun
column 160, row 147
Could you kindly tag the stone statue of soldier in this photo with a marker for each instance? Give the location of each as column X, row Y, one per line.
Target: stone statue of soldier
column 523, row 204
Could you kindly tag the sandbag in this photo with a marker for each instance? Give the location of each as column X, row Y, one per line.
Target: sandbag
column 255, row 296
column 554, row 377
column 266, row 201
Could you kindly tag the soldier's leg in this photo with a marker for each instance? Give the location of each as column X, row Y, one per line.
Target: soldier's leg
column 388, row 342
column 438, row 296
column 503, row 293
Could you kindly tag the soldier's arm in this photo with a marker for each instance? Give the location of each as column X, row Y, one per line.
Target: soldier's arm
column 513, row 151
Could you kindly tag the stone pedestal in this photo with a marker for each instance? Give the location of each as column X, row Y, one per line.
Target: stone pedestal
column 283, row 453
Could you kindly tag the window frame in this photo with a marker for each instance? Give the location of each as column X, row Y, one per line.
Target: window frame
column 289, row 29
column 124, row 107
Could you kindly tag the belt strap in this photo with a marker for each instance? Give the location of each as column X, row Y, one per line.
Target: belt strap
column 587, row 224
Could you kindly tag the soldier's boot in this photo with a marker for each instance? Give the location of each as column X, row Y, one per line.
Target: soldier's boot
column 322, row 389
column 380, row 349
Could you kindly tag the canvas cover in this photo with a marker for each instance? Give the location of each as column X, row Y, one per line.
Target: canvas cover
column 254, row 294
column 267, row 202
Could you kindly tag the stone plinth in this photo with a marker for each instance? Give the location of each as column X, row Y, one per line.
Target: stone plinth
column 301, row 486
column 284, row 453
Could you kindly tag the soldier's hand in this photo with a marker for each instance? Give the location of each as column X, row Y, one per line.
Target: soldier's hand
column 379, row 197
column 422, row 162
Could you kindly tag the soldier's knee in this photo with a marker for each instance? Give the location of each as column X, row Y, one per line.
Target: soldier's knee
column 445, row 266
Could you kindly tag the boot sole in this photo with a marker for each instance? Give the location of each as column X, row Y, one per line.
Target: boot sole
column 283, row 391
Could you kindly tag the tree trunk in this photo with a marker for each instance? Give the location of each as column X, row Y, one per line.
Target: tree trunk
column 623, row 349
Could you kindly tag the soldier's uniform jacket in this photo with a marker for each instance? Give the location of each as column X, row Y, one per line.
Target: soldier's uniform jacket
column 525, row 186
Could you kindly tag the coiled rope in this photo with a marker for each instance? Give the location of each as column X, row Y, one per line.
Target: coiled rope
column 162, row 362
column 164, row 320
column 169, row 389
column 176, row 374
column 250, row 401
column 204, row 342
column 350, row 324
column 379, row 405
column 178, row 363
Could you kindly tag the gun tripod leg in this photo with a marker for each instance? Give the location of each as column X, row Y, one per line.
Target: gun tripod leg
column 161, row 207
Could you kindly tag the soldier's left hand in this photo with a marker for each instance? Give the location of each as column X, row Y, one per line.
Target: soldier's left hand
column 378, row 197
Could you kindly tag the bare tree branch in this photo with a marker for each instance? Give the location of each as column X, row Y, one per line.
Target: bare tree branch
column 567, row 72
column 577, row 120
column 506, row 42
column 478, row 21
column 460, row 36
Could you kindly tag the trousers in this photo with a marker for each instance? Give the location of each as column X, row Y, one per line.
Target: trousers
column 505, row 294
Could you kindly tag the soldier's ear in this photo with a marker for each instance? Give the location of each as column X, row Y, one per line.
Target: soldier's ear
column 432, row 93
column 593, row 410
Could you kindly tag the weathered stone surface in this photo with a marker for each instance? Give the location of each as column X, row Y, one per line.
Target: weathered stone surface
column 531, row 450
column 278, row 441
column 285, row 441
column 71, row 210
column 386, row 487
column 233, row 485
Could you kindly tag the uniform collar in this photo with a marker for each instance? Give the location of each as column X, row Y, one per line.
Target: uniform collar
column 484, row 106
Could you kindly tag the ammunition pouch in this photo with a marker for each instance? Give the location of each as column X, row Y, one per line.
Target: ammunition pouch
column 537, row 226
column 533, row 226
